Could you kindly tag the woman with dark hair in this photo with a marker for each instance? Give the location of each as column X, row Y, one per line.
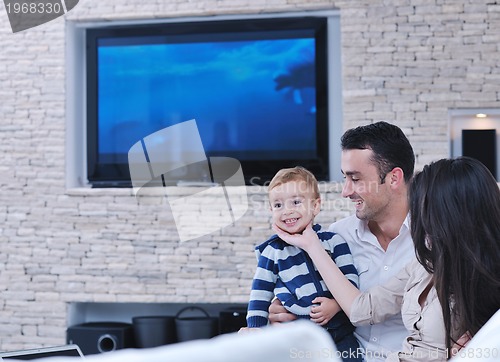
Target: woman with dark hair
column 453, row 288
column 455, row 226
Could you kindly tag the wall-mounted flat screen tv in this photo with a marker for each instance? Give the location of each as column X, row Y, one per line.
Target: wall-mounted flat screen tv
column 257, row 89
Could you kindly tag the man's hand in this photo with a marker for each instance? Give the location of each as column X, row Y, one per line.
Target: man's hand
column 278, row 313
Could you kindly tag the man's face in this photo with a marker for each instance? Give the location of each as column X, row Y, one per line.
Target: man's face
column 362, row 184
column 293, row 206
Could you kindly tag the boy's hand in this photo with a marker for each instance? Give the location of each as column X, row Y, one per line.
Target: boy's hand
column 325, row 309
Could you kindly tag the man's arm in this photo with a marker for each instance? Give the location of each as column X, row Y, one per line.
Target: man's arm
column 341, row 255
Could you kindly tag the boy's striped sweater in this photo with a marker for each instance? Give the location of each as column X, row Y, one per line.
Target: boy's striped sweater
column 288, row 273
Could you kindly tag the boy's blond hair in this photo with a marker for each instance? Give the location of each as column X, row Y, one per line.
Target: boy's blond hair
column 297, row 173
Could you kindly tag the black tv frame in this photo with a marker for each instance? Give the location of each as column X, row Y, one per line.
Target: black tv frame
column 256, row 172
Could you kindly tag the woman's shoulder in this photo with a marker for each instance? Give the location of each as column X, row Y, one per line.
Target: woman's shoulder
column 415, row 273
column 416, row 268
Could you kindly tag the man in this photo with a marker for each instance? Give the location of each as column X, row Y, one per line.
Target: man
column 377, row 162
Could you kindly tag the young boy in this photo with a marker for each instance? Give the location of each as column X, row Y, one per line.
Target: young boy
column 286, row 271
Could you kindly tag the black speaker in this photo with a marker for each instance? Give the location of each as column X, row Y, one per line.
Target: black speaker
column 481, row 145
column 232, row 319
column 100, row 337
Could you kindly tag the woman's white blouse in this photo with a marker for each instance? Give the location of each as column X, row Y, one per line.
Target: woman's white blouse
column 426, row 338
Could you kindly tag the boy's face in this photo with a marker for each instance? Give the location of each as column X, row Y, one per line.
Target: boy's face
column 293, row 206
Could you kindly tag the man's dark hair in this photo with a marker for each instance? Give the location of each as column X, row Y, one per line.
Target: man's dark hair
column 389, row 144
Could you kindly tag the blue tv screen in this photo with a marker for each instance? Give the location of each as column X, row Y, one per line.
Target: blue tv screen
column 257, row 90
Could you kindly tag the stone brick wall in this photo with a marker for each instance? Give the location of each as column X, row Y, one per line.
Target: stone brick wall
column 405, row 61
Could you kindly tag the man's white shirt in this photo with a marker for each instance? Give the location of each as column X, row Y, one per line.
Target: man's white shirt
column 375, row 266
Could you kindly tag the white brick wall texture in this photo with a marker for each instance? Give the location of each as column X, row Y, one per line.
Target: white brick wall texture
column 404, row 61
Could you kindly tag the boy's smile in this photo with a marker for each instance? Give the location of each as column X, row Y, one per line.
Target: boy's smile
column 293, row 206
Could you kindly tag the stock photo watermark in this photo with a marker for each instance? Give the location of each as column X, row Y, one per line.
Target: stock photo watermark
column 25, row 14
column 323, row 353
column 424, row 355
column 175, row 156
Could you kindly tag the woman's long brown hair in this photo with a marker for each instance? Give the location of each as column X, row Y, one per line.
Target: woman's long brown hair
column 455, row 226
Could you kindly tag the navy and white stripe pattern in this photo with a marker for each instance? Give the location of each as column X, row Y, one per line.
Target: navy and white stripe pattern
column 288, row 273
